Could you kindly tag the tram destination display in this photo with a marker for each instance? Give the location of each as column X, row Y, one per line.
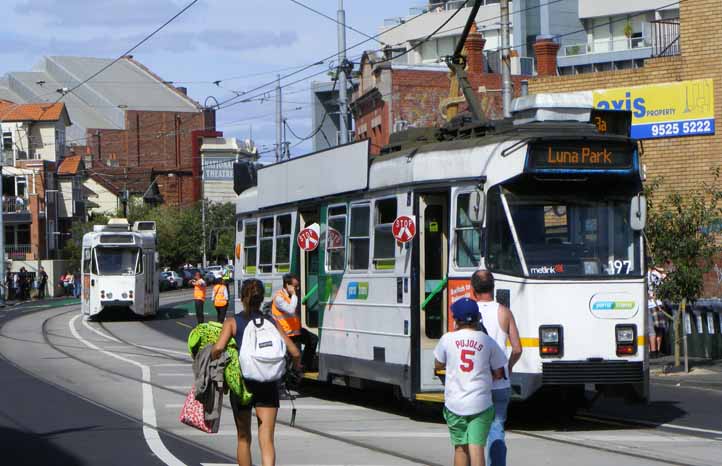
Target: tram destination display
column 595, row 155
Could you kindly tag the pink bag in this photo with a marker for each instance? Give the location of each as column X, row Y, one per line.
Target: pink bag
column 192, row 414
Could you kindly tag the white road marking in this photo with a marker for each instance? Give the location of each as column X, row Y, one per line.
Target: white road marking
column 182, row 353
column 174, row 405
column 183, row 364
column 177, row 387
column 150, row 423
column 175, row 374
column 300, row 433
column 654, row 424
column 98, row 332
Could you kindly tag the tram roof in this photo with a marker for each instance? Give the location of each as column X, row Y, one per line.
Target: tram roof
column 496, row 156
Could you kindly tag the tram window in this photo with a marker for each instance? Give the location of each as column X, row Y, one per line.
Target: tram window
column 265, row 253
column 139, row 264
column 358, row 237
column 250, row 247
column 384, row 242
column 468, row 237
column 87, row 256
column 501, row 250
column 336, row 239
column 283, row 243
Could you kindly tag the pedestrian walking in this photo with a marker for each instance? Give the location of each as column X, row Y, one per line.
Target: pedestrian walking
column 220, row 299
column 199, row 296
column 472, row 361
column 23, row 284
column 76, row 284
column 656, row 320
column 500, row 325
column 265, row 394
column 10, row 285
column 285, row 310
column 69, row 284
column 42, row 282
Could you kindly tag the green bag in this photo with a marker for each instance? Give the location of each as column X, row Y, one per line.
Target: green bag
column 208, row 334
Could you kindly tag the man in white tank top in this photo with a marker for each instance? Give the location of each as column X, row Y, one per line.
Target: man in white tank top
column 501, row 327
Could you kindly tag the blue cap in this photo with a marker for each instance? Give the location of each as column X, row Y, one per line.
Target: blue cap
column 465, row 310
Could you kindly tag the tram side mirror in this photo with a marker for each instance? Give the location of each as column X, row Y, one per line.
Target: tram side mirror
column 477, row 204
column 638, row 212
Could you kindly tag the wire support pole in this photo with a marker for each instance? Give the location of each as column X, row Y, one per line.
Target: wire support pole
column 342, row 88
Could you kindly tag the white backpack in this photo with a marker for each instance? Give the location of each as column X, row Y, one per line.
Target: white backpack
column 263, row 352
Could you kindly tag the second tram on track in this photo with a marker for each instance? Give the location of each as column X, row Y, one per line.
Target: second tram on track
column 553, row 208
column 120, row 268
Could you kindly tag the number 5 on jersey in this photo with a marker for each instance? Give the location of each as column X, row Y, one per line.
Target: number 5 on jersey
column 467, row 364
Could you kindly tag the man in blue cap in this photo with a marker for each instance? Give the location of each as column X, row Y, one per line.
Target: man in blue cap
column 472, row 361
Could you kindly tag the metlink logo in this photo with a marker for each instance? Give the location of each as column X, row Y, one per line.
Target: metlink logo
column 613, row 305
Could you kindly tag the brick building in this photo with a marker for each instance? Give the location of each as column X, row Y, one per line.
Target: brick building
column 126, row 117
column 682, row 163
column 391, row 97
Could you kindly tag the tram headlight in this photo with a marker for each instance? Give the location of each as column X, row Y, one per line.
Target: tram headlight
column 125, row 295
column 109, row 295
column 626, row 336
column 551, row 340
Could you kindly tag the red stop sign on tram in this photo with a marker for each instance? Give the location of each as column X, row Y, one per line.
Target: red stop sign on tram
column 404, row 228
column 308, row 238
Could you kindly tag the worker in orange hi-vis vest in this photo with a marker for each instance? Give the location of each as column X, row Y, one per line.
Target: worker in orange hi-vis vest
column 285, row 307
column 199, row 295
column 220, row 299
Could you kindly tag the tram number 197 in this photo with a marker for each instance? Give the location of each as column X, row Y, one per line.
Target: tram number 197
column 467, row 364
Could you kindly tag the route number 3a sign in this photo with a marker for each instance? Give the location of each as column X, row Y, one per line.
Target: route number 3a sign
column 308, row 238
column 404, row 228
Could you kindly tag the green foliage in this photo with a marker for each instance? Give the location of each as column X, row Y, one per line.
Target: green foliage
column 73, row 248
column 684, row 230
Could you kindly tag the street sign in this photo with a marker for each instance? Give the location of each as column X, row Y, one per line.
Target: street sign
column 404, row 228
column 308, row 238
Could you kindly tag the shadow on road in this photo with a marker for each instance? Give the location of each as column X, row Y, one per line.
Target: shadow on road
column 27, row 448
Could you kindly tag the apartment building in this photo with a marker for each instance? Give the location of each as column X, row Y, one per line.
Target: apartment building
column 620, row 35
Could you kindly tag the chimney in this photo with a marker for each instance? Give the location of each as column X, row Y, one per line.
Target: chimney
column 183, row 90
column 546, row 56
column 475, row 51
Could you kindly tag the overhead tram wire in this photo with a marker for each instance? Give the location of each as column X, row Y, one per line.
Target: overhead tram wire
column 334, row 55
column 350, row 28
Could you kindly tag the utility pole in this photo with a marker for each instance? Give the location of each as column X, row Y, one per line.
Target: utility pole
column 342, row 96
column 279, row 120
column 203, row 206
column 2, row 233
column 505, row 59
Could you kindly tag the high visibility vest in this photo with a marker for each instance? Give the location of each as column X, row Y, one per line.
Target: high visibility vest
column 290, row 324
column 219, row 297
column 199, row 292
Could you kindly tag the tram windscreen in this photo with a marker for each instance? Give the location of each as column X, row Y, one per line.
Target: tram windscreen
column 118, row 261
column 575, row 235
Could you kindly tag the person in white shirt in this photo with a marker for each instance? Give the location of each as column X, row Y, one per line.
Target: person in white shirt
column 501, row 327
column 472, row 361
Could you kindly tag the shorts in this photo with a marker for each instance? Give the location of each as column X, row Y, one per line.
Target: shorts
column 265, row 395
column 469, row 430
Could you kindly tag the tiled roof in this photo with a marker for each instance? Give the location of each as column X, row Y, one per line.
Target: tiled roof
column 31, row 112
column 70, row 165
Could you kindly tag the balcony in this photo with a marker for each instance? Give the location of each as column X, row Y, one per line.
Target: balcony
column 15, row 210
column 605, row 46
column 665, row 37
column 17, row 251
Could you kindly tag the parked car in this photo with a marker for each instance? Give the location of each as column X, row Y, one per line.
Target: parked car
column 213, row 273
column 187, row 275
column 166, row 281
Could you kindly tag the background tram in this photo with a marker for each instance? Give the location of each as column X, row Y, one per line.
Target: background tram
column 553, row 208
column 120, row 268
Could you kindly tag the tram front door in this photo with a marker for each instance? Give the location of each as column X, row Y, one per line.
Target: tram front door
column 309, row 270
column 433, row 228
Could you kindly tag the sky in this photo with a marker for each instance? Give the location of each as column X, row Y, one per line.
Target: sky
column 242, row 43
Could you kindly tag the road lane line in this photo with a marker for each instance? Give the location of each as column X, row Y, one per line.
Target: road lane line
column 655, row 424
column 182, row 353
column 98, row 332
column 183, row 324
column 174, row 374
column 177, row 387
column 168, row 364
column 150, row 423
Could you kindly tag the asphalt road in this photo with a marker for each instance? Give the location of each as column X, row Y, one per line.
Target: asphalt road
column 79, row 393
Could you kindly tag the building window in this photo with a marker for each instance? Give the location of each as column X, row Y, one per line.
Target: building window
column 384, row 241
column 467, row 236
column 336, row 239
column 359, row 238
column 265, row 254
column 250, row 248
column 283, row 243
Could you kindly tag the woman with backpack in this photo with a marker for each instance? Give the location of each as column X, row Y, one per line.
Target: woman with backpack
column 220, row 299
column 265, row 393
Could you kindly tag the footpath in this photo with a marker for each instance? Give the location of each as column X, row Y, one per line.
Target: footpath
column 703, row 373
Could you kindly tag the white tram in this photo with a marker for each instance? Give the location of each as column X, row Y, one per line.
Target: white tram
column 553, row 208
column 120, row 268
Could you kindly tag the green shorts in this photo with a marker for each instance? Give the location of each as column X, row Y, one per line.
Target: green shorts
column 469, row 430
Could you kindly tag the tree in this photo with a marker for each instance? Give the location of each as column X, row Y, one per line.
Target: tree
column 73, row 248
column 683, row 229
column 220, row 228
